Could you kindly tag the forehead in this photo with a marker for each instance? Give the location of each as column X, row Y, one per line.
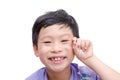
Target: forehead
column 56, row 30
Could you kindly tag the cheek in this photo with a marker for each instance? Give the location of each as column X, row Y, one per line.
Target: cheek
column 70, row 53
column 69, row 49
column 43, row 50
column 43, row 53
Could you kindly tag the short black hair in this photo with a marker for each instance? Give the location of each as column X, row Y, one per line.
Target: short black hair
column 54, row 17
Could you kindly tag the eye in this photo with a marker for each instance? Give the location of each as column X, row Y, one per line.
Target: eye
column 47, row 42
column 64, row 40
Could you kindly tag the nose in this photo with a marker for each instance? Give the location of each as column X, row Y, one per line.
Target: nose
column 56, row 48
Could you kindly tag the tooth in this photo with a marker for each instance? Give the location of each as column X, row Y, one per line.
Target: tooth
column 59, row 58
column 56, row 59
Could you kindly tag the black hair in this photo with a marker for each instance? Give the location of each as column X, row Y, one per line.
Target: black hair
column 54, row 17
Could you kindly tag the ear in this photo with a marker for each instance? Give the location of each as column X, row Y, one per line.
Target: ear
column 35, row 49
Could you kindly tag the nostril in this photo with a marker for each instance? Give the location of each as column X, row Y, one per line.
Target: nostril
column 56, row 48
column 55, row 51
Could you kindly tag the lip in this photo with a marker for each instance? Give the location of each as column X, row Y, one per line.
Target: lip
column 57, row 59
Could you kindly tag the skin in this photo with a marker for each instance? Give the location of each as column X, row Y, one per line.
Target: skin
column 57, row 47
column 55, row 41
column 84, row 51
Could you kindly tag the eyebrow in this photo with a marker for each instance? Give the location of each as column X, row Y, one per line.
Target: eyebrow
column 44, row 37
column 63, row 35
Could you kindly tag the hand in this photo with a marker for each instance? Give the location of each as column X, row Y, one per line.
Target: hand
column 82, row 48
column 84, row 51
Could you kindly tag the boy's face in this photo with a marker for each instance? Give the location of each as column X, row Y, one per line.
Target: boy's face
column 55, row 47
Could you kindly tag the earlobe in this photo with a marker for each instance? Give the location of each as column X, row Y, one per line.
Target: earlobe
column 35, row 49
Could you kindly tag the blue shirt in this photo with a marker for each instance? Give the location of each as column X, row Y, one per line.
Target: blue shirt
column 78, row 73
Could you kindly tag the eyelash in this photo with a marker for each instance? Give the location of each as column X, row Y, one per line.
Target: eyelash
column 47, row 42
column 50, row 41
column 64, row 40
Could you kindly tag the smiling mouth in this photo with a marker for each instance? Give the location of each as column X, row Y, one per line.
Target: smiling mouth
column 57, row 59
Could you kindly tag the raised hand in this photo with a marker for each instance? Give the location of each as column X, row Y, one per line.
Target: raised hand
column 83, row 49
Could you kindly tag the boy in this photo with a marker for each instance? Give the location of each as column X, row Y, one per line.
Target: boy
column 56, row 41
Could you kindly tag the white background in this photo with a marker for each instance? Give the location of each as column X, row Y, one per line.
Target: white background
column 99, row 21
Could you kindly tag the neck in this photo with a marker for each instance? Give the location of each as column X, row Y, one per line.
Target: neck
column 63, row 75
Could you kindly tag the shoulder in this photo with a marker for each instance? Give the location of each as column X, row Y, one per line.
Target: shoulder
column 37, row 75
column 85, row 72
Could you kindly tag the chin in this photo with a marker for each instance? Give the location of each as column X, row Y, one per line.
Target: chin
column 59, row 68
